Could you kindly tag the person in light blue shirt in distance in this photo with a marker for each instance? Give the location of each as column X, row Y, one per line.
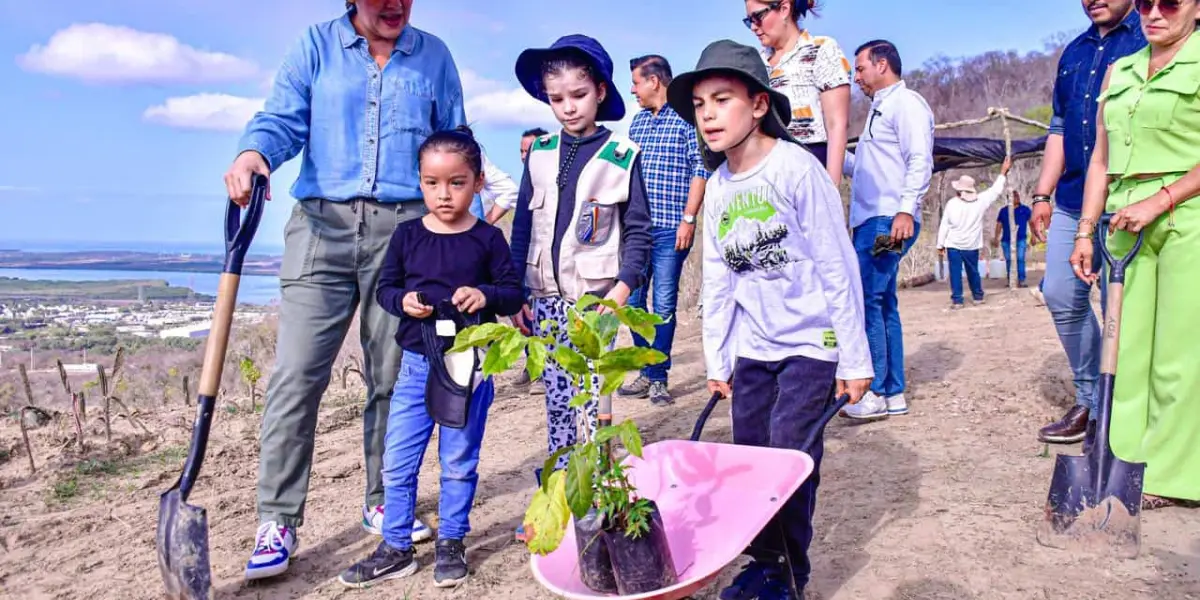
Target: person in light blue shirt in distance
column 355, row 97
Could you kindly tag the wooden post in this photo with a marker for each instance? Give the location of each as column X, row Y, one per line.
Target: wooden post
column 1012, row 213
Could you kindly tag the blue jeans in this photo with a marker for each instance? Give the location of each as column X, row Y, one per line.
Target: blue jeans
column 884, row 334
column 409, row 428
column 1007, row 249
column 1069, row 306
column 662, row 272
column 958, row 260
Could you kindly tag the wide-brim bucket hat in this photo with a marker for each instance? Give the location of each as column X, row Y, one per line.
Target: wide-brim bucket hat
column 965, row 184
column 728, row 57
column 529, row 71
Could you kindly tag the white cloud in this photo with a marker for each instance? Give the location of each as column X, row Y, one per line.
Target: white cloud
column 497, row 104
column 217, row 112
column 100, row 53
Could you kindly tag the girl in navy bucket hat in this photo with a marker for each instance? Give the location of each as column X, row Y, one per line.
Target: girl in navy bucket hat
column 582, row 224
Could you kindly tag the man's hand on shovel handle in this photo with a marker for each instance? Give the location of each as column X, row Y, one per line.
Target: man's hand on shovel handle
column 239, row 179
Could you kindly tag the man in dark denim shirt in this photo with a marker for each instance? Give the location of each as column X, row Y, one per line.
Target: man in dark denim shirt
column 1115, row 32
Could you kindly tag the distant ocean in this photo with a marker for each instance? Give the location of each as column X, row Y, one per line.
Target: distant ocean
column 254, row 289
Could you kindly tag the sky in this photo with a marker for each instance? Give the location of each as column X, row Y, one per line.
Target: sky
column 119, row 118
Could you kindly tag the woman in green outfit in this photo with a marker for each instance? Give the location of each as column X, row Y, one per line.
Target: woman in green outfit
column 1146, row 170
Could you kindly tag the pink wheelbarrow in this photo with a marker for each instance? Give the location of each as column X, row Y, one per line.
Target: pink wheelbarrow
column 714, row 499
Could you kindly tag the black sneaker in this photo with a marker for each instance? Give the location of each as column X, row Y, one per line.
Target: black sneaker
column 451, row 567
column 754, row 578
column 383, row 564
column 659, row 394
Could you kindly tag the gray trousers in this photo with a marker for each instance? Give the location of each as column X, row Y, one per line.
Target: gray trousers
column 331, row 259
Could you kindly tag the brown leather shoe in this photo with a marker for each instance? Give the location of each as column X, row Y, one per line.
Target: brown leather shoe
column 1068, row 430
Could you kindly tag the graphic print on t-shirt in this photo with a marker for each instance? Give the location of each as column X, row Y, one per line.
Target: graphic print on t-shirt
column 751, row 233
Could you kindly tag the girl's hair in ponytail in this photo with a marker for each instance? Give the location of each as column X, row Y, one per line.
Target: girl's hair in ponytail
column 460, row 140
column 802, row 8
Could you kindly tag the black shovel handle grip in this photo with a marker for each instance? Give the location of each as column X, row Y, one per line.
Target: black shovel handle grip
column 239, row 230
column 1116, row 265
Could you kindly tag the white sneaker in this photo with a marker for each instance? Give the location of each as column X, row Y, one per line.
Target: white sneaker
column 896, row 405
column 274, row 546
column 1037, row 296
column 871, row 408
column 372, row 522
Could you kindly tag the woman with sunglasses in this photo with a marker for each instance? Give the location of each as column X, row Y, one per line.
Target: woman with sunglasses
column 811, row 71
column 1145, row 170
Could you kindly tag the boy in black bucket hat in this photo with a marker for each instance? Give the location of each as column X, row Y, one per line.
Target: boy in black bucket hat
column 782, row 297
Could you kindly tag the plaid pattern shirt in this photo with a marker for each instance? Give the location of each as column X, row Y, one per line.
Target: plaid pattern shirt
column 670, row 159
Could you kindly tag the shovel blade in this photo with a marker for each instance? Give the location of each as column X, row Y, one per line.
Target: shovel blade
column 182, row 541
column 1080, row 517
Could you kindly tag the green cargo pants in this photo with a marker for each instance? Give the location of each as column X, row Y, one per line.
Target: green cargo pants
column 331, row 259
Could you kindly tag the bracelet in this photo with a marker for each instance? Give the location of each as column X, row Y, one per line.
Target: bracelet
column 1083, row 235
column 1041, row 198
column 1170, row 207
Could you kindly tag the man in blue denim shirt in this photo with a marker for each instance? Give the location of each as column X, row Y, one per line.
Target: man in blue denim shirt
column 358, row 94
column 1115, row 32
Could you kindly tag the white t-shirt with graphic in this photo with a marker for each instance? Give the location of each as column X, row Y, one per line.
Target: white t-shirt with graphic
column 781, row 278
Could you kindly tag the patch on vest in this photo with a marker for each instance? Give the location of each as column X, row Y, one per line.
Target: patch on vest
column 621, row 158
column 546, row 143
column 595, row 223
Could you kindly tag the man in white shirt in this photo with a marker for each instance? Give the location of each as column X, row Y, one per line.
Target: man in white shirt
column 499, row 192
column 960, row 235
column 891, row 167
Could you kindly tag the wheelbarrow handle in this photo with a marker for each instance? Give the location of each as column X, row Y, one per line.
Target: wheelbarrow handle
column 239, row 233
column 830, row 412
column 704, row 414
column 1116, row 265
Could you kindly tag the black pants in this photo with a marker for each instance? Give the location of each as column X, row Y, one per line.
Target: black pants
column 819, row 150
column 777, row 405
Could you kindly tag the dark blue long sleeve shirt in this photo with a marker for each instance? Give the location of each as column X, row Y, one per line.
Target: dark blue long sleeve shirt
column 437, row 264
column 1080, row 75
column 636, row 239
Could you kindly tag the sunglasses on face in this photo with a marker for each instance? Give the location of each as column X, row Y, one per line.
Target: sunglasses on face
column 756, row 17
column 1166, row 8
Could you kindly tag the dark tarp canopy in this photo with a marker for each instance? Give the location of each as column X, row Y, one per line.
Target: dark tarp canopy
column 974, row 152
column 969, row 153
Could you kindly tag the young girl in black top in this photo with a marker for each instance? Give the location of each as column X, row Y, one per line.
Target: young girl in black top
column 447, row 257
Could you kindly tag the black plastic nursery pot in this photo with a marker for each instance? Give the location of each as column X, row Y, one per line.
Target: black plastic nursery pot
column 595, row 568
column 642, row 564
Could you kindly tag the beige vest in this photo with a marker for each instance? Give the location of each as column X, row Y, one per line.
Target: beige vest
column 589, row 258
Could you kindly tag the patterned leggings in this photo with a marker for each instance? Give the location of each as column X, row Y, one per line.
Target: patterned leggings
column 562, row 421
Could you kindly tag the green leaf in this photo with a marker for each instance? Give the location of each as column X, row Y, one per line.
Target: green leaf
column 580, row 399
column 590, row 300
column 535, row 361
column 630, row 437
column 632, row 358
column 639, row 321
column 548, row 467
column 502, row 356
column 570, row 360
column 479, row 335
column 604, row 434
column 584, row 338
column 613, row 378
column 579, row 491
column 547, row 516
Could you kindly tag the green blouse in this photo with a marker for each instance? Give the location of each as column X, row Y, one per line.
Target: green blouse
column 1154, row 126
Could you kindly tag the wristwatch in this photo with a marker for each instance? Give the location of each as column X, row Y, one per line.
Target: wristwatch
column 689, row 219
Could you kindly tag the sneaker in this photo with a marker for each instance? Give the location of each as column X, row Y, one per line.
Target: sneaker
column 1038, row 296
column 956, row 306
column 450, row 568
column 372, row 522
column 522, row 379
column 778, row 589
column 659, row 394
column 748, row 584
column 896, row 405
column 977, row 301
column 639, row 388
column 383, row 564
column 872, row 407
column 274, row 546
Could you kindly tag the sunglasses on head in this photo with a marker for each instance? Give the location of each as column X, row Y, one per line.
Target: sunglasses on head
column 756, row 17
column 1166, row 8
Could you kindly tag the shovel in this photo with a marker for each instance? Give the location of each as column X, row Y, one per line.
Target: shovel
column 1095, row 500
column 182, row 535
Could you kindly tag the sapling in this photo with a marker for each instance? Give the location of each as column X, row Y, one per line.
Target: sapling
column 593, row 478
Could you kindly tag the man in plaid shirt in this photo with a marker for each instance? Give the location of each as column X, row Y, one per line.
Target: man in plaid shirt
column 675, row 175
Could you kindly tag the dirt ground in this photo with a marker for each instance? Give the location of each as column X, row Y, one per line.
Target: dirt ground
column 940, row 504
